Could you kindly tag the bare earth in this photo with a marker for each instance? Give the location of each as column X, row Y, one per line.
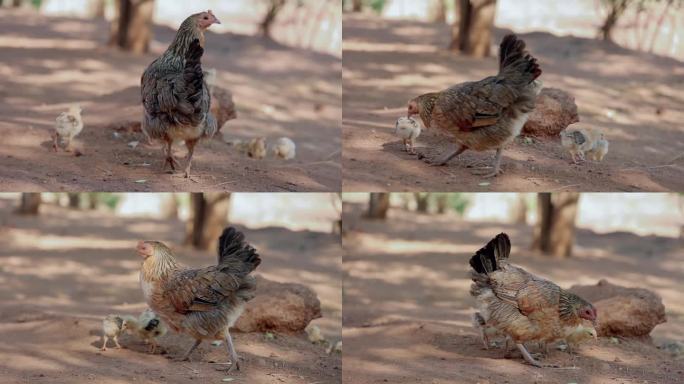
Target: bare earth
column 48, row 63
column 407, row 307
column 618, row 90
column 62, row 272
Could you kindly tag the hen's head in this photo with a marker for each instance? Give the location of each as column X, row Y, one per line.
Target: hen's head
column 204, row 20
column 585, row 310
column 412, row 108
column 148, row 248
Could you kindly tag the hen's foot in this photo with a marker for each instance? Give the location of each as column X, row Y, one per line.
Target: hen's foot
column 172, row 162
column 485, row 174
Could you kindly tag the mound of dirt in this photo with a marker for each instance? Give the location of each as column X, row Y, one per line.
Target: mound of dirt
column 622, row 311
column 554, row 111
column 280, row 307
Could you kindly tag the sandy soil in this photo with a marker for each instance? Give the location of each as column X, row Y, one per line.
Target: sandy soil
column 65, row 270
column 48, row 63
column 407, row 307
column 618, row 90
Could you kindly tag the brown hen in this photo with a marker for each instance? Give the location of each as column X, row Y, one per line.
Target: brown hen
column 203, row 303
column 485, row 114
column 520, row 305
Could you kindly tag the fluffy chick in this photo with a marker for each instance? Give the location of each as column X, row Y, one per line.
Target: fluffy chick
column 579, row 334
column 112, row 327
column 408, row 130
column 284, row 148
column 257, row 148
column 600, row 150
column 579, row 141
column 67, row 126
column 148, row 326
column 485, row 331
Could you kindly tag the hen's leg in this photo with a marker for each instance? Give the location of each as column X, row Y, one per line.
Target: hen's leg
column 186, row 356
column 169, row 157
column 496, row 165
column 527, row 356
column 191, row 149
column 448, row 155
column 231, row 351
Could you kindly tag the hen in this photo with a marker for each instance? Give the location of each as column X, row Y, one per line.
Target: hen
column 175, row 97
column 203, row 303
column 520, row 305
column 485, row 114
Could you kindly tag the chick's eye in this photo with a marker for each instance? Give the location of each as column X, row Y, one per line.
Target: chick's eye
column 206, row 18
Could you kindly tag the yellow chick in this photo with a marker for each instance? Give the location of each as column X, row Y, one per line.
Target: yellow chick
column 112, row 327
column 579, row 141
column 408, row 130
column 600, row 150
column 284, row 148
column 257, row 148
column 67, row 126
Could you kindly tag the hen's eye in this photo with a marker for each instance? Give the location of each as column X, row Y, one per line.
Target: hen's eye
column 206, row 18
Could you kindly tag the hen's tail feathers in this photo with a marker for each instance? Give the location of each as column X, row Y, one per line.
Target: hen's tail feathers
column 193, row 76
column 235, row 255
column 515, row 61
column 488, row 258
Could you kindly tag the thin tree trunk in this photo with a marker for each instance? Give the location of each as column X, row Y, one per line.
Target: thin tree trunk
column 421, row 202
column 472, row 33
column 169, row 206
column 209, row 218
column 554, row 233
column 659, row 25
column 378, row 205
column 74, row 200
column 273, row 9
column 131, row 29
column 357, row 5
column 617, row 8
column 442, row 203
column 29, row 204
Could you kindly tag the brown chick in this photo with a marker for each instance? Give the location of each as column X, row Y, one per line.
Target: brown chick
column 202, row 303
column 485, row 114
column 579, row 141
column 520, row 305
column 175, row 97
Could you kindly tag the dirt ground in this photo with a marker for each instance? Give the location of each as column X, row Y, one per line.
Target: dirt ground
column 407, row 307
column 62, row 272
column 633, row 97
column 49, row 63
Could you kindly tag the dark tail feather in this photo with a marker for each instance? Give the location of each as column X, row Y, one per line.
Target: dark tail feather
column 235, row 254
column 513, row 56
column 488, row 258
column 192, row 74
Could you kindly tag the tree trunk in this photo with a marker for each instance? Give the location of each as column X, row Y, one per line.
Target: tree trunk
column 169, row 206
column 519, row 210
column 442, row 203
column 30, row 203
column 421, row 202
column 438, row 11
column 273, row 9
column 74, row 200
column 617, row 8
column 92, row 200
column 131, row 28
column 554, row 233
column 98, row 8
column 378, row 206
column 357, row 5
column 208, row 219
column 471, row 34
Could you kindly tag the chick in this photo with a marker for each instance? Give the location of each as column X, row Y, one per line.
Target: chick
column 257, row 148
column 67, row 126
column 284, row 148
column 210, row 77
column 600, row 150
column 112, row 327
column 147, row 327
column 579, row 334
column 314, row 334
column 580, row 141
column 485, row 331
column 408, row 130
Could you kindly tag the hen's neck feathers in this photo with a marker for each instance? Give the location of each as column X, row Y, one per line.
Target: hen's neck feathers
column 159, row 265
column 427, row 104
column 187, row 32
column 567, row 304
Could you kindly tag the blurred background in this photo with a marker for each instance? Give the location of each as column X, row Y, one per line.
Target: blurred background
column 654, row 26
column 407, row 306
column 67, row 260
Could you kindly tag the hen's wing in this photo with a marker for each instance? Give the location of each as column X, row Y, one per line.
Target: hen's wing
column 204, row 289
column 524, row 291
column 173, row 88
column 473, row 105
